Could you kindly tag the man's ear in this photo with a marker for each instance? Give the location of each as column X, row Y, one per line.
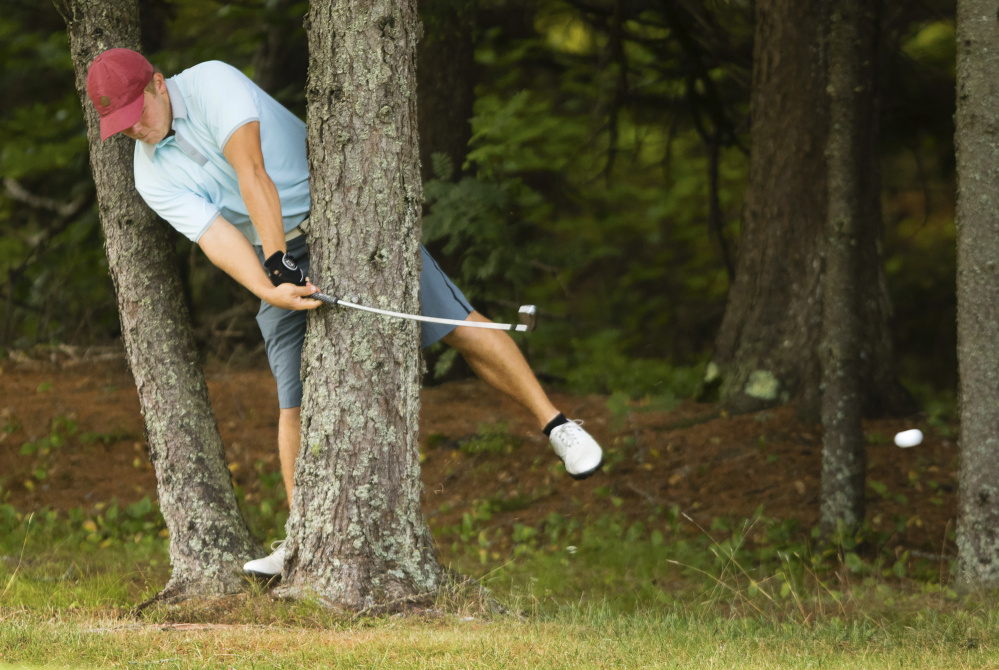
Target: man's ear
column 159, row 81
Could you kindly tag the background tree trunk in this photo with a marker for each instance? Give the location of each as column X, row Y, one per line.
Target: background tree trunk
column 767, row 349
column 446, row 82
column 356, row 532
column 851, row 127
column 978, row 291
column 209, row 540
column 280, row 61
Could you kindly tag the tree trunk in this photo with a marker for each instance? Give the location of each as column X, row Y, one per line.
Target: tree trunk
column 978, row 291
column 446, row 79
column 209, row 540
column 356, row 534
column 767, row 350
column 852, row 122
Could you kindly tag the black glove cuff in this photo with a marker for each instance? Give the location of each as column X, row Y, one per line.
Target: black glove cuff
column 282, row 269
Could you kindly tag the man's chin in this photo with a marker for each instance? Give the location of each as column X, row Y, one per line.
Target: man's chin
column 149, row 139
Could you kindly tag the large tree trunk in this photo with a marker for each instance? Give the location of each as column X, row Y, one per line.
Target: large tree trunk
column 852, row 123
column 209, row 540
column 978, row 291
column 356, row 533
column 767, row 350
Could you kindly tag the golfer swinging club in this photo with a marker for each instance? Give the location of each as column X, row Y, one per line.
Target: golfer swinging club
column 225, row 164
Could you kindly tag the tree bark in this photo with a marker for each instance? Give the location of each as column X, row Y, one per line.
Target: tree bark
column 978, row 291
column 851, row 124
column 356, row 534
column 209, row 540
column 767, row 349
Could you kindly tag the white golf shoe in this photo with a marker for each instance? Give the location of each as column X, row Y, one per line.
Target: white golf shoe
column 577, row 449
column 268, row 566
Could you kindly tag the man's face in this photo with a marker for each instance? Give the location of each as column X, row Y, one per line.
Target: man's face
column 157, row 116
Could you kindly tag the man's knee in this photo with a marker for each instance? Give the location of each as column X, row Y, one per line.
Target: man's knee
column 463, row 338
column 289, row 419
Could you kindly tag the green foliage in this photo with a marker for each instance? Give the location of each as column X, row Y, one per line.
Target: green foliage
column 610, row 261
column 52, row 266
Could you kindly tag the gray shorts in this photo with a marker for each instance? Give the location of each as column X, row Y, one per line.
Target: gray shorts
column 284, row 330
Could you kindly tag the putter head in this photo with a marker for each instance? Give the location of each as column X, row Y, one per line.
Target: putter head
column 529, row 317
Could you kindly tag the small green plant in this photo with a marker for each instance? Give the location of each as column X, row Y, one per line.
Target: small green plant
column 491, row 438
column 10, row 425
column 105, row 438
column 62, row 428
column 269, row 479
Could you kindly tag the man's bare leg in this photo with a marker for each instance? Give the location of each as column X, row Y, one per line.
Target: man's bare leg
column 495, row 358
column 289, row 440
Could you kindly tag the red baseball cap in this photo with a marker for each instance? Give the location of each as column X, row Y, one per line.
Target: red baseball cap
column 115, row 82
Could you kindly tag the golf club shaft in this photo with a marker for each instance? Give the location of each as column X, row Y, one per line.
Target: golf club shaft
column 331, row 300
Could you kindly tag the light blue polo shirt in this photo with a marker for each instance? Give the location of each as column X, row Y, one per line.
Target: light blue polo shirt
column 186, row 178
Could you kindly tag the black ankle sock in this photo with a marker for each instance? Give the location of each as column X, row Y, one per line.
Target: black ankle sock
column 553, row 424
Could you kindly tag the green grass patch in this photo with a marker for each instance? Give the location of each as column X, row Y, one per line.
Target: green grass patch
column 603, row 593
column 576, row 638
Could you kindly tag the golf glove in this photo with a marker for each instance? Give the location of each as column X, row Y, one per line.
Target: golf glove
column 282, row 269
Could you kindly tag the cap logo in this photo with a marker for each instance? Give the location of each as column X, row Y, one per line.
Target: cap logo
column 106, row 101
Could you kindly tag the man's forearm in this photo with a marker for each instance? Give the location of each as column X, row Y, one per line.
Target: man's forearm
column 264, row 207
column 263, row 204
column 226, row 247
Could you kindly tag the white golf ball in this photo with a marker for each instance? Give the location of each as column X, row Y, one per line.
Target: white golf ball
column 909, row 438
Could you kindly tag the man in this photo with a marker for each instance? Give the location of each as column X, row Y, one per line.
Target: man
column 225, row 164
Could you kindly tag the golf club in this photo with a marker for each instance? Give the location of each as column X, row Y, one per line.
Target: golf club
column 528, row 315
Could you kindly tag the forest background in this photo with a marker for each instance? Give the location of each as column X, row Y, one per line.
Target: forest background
column 599, row 177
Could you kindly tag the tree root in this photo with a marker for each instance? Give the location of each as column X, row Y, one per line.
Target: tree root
column 176, row 593
column 457, row 594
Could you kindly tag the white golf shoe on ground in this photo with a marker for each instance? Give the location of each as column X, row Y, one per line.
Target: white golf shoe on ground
column 577, row 449
column 268, row 566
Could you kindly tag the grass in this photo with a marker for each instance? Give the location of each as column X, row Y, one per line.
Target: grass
column 595, row 595
column 577, row 638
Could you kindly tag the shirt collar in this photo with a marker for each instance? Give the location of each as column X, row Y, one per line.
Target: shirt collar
column 179, row 110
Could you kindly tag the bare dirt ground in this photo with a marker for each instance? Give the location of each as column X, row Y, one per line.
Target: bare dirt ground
column 706, row 463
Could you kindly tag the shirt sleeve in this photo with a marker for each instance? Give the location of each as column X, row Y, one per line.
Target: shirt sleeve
column 187, row 212
column 226, row 99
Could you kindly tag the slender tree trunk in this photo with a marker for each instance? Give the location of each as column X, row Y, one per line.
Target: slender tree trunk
column 356, row 533
column 767, row 350
column 851, row 82
column 209, row 540
column 978, row 291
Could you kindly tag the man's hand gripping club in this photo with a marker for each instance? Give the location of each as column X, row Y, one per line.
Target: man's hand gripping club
column 283, row 271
